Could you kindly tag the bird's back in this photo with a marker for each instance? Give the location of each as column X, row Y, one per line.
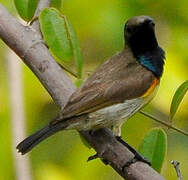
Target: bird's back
column 116, row 80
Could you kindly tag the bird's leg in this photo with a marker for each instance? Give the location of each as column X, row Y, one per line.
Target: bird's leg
column 90, row 158
column 117, row 130
column 137, row 156
column 95, row 156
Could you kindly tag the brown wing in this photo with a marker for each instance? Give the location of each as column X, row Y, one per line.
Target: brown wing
column 113, row 82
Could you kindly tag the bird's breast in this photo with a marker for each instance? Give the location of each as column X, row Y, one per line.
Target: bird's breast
column 151, row 88
column 118, row 113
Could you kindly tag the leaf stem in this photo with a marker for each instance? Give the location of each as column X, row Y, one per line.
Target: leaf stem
column 164, row 123
column 68, row 70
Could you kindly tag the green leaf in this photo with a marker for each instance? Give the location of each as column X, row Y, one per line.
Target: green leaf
column 177, row 98
column 26, row 8
column 76, row 48
column 56, row 4
column 54, row 31
column 154, row 146
column 60, row 37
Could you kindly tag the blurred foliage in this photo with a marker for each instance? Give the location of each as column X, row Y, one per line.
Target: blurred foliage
column 99, row 26
column 56, row 3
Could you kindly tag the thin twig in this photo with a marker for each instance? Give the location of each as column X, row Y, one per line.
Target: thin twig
column 164, row 123
column 176, row 165
column 68, row 70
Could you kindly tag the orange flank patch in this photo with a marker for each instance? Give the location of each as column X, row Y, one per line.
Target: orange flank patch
column 151, row 88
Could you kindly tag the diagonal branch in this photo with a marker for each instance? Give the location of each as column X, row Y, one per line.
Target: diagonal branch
column 26, row 43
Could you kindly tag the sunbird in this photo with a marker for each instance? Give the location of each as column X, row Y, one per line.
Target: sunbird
column 119, row 87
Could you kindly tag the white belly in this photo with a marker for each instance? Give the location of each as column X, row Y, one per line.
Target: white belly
column 116, row 114
column 113, row 115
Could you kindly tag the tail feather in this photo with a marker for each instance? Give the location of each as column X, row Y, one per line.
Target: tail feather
column 27, row 144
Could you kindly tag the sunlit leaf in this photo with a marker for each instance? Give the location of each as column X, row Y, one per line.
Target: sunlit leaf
column 177, row 98
column 153, row 147
column 56, row 3
column 60, row 37
column 76, row 48
column 26, row 8
column 54, row 31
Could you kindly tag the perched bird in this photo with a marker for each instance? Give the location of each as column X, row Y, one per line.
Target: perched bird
column 116, row 90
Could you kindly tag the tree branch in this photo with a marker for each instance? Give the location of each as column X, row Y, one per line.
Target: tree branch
column 25, row 41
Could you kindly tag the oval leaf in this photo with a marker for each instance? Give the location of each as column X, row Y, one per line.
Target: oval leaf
column 60, row 37
column 54, row 31
column 26, row 8
column 177, row 98
column 153, row 147
column 56, row 4
column 76, row 48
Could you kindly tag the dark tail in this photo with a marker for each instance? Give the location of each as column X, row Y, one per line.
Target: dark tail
column 27, row 144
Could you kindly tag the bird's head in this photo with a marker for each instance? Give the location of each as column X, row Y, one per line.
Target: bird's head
column 141, row 40
column 140, row 34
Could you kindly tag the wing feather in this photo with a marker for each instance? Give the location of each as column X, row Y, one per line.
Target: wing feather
column 115, row 81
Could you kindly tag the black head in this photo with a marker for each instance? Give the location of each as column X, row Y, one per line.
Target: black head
column 140, row 38
column 140, row 35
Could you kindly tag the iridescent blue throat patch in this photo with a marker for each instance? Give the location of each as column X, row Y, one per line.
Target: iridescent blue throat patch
column 145, row 61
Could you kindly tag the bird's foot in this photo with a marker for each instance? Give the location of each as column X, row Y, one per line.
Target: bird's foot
column 90, row 158
column 137, row 156
column 95, row 156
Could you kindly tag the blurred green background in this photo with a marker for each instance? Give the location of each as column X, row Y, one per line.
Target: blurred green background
column 99, row 26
